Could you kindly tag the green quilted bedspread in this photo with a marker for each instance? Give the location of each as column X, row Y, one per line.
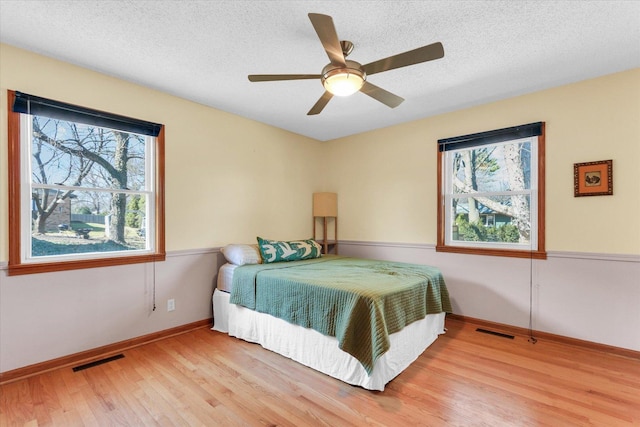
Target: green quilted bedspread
column 360, row 302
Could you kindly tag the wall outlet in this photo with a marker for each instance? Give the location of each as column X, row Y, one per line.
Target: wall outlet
column 171, row 304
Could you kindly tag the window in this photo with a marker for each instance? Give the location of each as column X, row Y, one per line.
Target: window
column 491, row 193
column 85, row 187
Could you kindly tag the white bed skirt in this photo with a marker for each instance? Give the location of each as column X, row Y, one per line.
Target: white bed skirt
column 321, row 352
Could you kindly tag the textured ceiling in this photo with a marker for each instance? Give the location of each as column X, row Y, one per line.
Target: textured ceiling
column 204, row 50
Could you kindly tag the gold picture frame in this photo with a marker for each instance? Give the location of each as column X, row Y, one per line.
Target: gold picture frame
column 593, row 178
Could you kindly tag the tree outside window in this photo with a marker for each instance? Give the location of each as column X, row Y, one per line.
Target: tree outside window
column 90, row 167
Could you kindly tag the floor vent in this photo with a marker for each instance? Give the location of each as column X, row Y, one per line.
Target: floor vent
column 97, row 362
column 499, row 334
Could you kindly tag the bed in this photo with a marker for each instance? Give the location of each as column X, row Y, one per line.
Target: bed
column 360, row 321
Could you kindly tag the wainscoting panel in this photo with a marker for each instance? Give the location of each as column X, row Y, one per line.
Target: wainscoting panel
column 591, row 297
column 51, row 315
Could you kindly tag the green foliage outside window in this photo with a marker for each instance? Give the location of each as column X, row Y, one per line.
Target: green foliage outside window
column 84, row 210
column 478, row 232
column 135, row 212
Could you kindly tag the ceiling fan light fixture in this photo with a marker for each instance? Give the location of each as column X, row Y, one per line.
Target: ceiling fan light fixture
column 343, row 81
column 342, row 77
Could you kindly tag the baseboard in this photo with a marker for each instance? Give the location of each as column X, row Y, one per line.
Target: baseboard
column 98, row 353
column 516, row 330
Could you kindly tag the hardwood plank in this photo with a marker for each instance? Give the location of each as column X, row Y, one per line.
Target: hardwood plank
column 262, row 382
column 207, row 378
column 16, row 404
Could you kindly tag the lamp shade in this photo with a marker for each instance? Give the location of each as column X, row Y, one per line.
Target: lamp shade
column 325, row 204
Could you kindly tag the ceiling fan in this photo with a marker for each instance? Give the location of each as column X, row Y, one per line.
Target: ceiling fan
column 342, row 77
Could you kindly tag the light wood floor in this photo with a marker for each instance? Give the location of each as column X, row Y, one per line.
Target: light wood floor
column 205, row 378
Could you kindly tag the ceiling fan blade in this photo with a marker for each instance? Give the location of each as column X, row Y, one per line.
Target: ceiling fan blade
column 416, row 56
column 322, row 102
column 274, row 77
column 379, row 94
column 326, row 31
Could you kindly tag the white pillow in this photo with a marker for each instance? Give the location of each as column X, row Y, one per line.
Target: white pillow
column 239, row 254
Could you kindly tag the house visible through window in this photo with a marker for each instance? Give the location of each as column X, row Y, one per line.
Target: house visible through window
column 88, row 189
column 491, row 192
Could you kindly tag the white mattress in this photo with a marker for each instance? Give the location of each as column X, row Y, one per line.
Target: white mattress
column 225, row 277
column 321, row 352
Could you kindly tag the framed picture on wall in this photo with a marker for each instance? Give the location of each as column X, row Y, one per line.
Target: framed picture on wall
column 593, row 178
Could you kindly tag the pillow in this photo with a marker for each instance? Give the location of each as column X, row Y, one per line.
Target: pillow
column 276, row 251
column 242, row 254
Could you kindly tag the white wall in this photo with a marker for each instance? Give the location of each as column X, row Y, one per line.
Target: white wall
column 220, row 168
column 228, row 179
column 589, row 287
column 386, row 180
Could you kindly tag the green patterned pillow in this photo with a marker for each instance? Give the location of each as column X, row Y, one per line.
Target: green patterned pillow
column 276, row 251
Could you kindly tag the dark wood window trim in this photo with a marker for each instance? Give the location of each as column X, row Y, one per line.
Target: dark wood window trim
column 15, row 265
column 540, row 253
